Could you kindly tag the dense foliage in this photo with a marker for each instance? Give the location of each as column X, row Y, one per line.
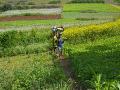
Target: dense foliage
column 14, row 43
column 118, row 1
column 94, row 54
column 27, row 63
column 92, row 32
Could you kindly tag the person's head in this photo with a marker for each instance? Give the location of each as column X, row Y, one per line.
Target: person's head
column 54, row 29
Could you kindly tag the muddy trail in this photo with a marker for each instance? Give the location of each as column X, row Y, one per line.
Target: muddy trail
column 66, row 65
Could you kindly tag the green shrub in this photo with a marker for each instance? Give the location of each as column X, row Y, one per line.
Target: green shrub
column 14, row 38
column 94, row 54
column 100, row 84
column 19, row 7
column 13, row 43
column 54, row 2
column 99, row 55
column 6, row 7
column 8, row 39
column 36, row 48
column 31, row 3
column 118, row 1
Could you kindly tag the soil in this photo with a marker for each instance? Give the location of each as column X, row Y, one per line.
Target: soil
column 65, row 63
column 41, row 17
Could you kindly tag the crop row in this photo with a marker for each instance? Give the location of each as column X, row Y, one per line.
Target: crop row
column 31, row 12
column 96, row 61
column 27, row 63
column 91, row 32
column 13, row 43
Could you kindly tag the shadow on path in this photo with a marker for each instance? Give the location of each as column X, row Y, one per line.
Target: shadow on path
column 66, row 65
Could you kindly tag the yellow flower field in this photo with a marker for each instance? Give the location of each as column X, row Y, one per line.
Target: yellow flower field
column 91, row 31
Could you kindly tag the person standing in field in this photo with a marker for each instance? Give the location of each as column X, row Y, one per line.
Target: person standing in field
column 60, row 40
column 60, row 45
column 55, row 40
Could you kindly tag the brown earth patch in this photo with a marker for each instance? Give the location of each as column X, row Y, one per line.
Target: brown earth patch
column 66, row 65
column 41, row 17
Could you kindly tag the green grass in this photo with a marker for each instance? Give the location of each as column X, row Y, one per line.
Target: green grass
column 90, row 6
column 37, row 22
column 14, row 43
column 34, row 71
column 95, row 55
column 100, row 15
column 48, row 23
column 26, row 62
column 98, row 57
column 74, row 13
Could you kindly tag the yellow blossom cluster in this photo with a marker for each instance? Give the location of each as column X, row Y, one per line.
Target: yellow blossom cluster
column 91, row 31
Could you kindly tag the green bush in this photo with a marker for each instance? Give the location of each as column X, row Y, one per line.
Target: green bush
column 54, row 2
column 31, row 3
column 13, row 43
column 19, row 7
column 8, row 39
column 118, row 1
column 14, row 38
column 96, row 57
column 96, row 53
column 6, row 7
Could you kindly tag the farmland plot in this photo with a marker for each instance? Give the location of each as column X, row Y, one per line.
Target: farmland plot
column 27, row 63
column 31, row 14
column 91, row 7
column 74, row 14
column 51, row 11
column 91, row 16
column 95, row 55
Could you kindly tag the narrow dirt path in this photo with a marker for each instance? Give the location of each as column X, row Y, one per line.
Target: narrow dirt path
column 65, row 63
